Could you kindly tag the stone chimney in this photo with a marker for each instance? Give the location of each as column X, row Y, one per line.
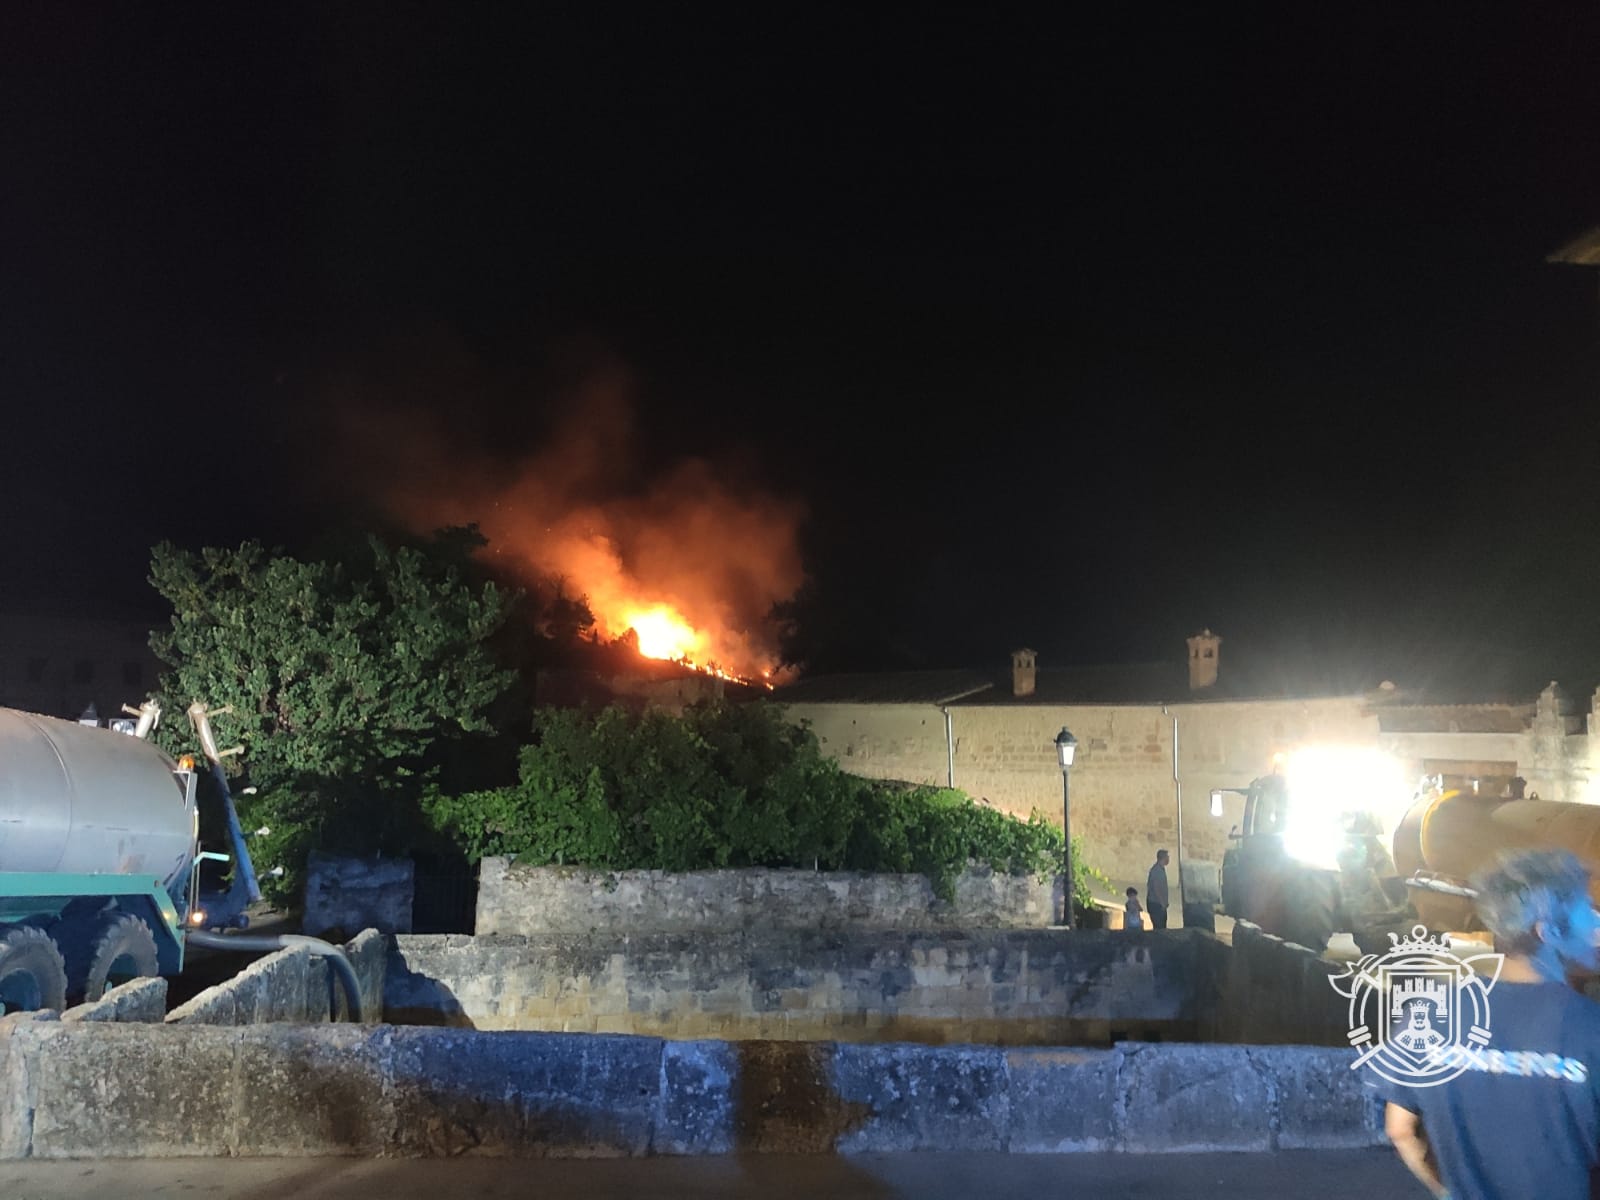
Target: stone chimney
column 1203, row 648
column 1022, row 672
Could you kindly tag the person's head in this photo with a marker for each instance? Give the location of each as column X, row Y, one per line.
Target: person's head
column 1161, row 858
column 1420, row 1014
column 1536, row 903
column 1133, row 893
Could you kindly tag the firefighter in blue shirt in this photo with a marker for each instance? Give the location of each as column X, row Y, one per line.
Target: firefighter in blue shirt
column 1523, row 1117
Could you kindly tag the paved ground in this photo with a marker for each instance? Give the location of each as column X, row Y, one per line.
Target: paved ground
column 1338, row 1175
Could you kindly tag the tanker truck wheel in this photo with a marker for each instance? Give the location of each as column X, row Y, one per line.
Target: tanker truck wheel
column 1313, row 911
column 32, row 975
column 124, row 950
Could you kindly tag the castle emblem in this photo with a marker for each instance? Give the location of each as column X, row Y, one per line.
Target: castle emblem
column 1415, row 1007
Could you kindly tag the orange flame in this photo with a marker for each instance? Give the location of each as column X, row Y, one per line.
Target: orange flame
column 689, row 559
column 664, row 634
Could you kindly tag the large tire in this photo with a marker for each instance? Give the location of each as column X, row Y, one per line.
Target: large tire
column 32, row 973
column 1312, row 914
column 124, row 949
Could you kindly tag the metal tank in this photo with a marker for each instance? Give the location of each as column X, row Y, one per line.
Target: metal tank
column 76, row 800
column 1456, row 834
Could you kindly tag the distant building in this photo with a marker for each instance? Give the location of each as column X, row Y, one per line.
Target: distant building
column 60, row 666
column 1150, row 734
column 664, row 686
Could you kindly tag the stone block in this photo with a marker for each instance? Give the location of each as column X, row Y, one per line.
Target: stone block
column 923, row 1097
column 529, row 1094
column 344, row 895
column 313, row 1090
column 784, row 1100
column 139, row 1000
column 1274, row 979
column 368, row 953
column 1320, row 1102
column 17, row 1047
column 215, row 1006
column 280, row 986
column 1202, row 886
column 1193, row 1098
column 324, row 997
column 1322, row 1015
column 696, row 1114
column 276, row 988
column 130, row 1091
column 1062, row 1100
column 417, row 981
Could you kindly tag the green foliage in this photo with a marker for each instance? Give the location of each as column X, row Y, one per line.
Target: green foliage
column 1084, row 877
column 726, row 786
column 348, row 681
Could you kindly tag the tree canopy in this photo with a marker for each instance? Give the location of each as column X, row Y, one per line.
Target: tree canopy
column 348, row 679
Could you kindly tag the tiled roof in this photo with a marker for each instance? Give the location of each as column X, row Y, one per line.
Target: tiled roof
column 1486, row 678
column 1137, row 683
column 1455, row 718
column 889, row 687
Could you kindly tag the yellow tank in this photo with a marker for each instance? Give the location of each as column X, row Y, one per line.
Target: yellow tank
column 1454, row 834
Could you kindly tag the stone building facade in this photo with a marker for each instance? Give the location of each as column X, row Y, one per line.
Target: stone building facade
column 1153, row 741
column 60, row 665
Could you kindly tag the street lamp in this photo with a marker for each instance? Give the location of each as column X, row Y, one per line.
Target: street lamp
column 1066, row 749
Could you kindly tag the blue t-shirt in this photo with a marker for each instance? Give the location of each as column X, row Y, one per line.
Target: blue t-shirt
column 1524, row 1119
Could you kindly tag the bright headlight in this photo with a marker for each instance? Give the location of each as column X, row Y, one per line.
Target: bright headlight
column 1329, row 785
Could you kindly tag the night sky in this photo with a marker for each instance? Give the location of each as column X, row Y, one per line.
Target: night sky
column 1077, row 335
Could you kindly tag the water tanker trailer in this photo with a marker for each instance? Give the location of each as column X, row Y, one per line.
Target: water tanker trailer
column 100, row 858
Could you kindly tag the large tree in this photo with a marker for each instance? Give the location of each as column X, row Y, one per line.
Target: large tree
column 349, row 680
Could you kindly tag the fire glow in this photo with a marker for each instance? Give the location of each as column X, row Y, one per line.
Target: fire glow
column 687, row 560
column 664, row 634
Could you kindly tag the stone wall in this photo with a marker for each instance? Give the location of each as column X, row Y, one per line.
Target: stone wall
column 882, row 741
column 346, row 895
column 1267, row 991
column 515, row 899
column 1124, row 799
column 292, row 985
column 1000, row 987
column 138, row 1000
column 86, row 1090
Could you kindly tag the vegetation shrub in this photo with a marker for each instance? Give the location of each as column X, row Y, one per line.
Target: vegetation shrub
column 731, row 786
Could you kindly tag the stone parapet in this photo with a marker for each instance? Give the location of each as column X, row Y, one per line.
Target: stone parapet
column 76, row 1089
column 521, row 900
column 1268, row 991
column 1016, row 987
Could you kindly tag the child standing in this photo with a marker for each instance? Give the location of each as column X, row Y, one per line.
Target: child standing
column 1133, row 912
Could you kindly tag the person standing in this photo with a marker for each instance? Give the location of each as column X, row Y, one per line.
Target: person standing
column 1132, row 913
column 1523, row 1117
column 1155, row 892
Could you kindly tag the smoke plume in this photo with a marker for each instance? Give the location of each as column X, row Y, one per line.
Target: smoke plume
column 577, row 504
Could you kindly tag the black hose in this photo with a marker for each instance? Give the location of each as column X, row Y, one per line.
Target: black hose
column 284, row 941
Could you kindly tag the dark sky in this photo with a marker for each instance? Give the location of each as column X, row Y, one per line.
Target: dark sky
column 1079, row 334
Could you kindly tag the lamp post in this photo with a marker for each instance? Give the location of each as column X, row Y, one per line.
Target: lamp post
column 1066, row 748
